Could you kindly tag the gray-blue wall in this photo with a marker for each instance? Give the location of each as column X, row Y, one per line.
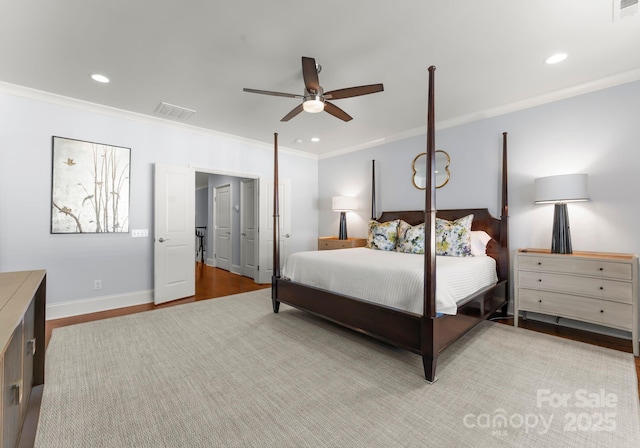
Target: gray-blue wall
column 124, row 264
column 596, row 133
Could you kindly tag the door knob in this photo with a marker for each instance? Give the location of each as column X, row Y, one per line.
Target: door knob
column 162, row 240
column 243, row 234
column 287, row 235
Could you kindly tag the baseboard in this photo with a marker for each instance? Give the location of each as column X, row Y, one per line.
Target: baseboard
column 236, row 269
column 77, row 307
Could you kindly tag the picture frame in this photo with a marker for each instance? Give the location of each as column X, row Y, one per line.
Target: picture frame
column 89, row 187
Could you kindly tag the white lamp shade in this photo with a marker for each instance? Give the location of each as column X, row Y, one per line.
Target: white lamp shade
column 563, row 188
column 343, row 204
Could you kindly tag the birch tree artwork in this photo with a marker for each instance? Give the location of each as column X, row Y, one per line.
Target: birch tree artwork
column 90, row 187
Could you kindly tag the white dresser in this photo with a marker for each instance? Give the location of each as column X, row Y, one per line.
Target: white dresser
column 600, row 288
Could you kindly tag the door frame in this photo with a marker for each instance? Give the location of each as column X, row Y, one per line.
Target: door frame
column 257, row 179
column 256, row 224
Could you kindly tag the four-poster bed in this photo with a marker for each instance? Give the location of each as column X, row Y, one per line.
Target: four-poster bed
column 429, row 332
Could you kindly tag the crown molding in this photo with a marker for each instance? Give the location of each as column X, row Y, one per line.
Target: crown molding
column 558, row 95
column 581, row 89
column 87, row 106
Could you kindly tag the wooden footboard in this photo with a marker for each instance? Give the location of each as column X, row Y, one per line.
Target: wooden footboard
column 391, row 325
column 396, row 327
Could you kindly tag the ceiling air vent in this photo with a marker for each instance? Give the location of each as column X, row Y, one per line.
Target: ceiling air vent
column 173, row 111
column 624, row 8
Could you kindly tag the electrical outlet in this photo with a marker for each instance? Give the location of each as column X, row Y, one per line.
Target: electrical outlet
column 97, row 284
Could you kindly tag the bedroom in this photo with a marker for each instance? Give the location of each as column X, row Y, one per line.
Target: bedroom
column 598, row 130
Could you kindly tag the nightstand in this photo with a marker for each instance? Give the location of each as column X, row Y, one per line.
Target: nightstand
column 596, row 287
column 332, row 242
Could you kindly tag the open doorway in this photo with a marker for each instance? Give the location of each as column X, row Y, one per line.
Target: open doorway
column 175, row 221
column 226, row 224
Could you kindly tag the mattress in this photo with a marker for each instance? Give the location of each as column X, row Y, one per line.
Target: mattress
column 393, row 279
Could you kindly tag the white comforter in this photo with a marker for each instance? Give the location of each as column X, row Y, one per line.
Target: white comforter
column 391, row 278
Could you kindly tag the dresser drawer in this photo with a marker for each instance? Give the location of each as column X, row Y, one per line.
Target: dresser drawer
column 593, row 287
column 329, row 243
column 333, row 244
column 602, row 312
column 572, row 265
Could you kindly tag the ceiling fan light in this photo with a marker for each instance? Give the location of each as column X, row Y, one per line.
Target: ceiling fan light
column 313, row 105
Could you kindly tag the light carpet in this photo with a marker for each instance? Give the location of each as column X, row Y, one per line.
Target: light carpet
column 230, row 373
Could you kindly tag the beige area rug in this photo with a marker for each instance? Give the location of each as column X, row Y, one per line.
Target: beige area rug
column 230, row 373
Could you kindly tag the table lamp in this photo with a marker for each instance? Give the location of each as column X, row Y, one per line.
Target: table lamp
column 343, row 204
column 559, row 190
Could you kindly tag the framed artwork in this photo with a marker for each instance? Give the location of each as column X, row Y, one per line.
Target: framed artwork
column 90, row 187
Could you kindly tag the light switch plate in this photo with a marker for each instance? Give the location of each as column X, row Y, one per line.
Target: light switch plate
column 140, row 233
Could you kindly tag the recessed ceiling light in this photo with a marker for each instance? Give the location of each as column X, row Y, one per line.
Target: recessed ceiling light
column 554, row 59
column 99, row 78
column 315, row 139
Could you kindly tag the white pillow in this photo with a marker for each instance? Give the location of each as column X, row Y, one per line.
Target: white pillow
column 479, row 241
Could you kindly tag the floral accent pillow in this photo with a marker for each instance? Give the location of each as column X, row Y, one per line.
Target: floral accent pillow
column 453, row 238
column 383, row 235
column 410, row 238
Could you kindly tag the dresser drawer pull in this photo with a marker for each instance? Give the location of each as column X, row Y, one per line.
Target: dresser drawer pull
column 539, row 279
column 31, row 347
column 602, row 269
column 16, row 393
column 601, row 288
column 539, row 263
column 540, row 300
column 602, row 311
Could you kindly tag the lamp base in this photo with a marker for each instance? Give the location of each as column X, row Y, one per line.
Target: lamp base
column 342, row 235
column 561, row 238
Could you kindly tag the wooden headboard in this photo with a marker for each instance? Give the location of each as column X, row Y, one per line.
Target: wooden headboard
column 482, row 220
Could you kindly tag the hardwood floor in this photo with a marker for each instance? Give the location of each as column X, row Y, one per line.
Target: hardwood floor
column 210, row 283
column 214, row 282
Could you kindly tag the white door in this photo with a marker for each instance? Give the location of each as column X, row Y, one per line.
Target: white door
column 265, row 270
column 174, row 227
column 248, row 228
column 222, row 226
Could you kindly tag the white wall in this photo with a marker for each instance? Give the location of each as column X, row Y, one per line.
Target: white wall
column 596, row 133
column 124, row 264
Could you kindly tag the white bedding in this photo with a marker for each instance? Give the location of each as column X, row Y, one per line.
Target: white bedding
column 391, row 278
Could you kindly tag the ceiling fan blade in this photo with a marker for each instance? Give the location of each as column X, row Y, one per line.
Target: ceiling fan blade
column 353, row 91
column 293, row 113
column 310, row 74
column 336, row 111
column 268, row 92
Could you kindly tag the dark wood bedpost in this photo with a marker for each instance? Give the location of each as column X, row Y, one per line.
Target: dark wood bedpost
column 504, row 225
column 276, row 228
column 373, row 190
column 429, row 344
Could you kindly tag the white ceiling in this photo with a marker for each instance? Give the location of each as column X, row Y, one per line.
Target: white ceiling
column 199, row 54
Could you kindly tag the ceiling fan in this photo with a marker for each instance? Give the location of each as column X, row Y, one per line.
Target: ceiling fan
column 315, row 98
